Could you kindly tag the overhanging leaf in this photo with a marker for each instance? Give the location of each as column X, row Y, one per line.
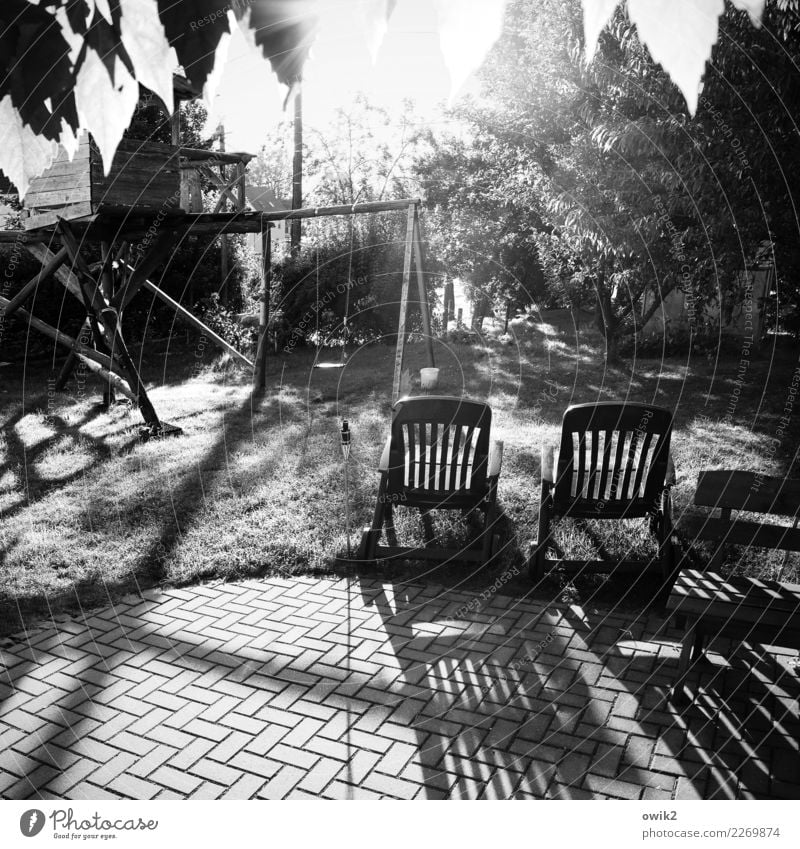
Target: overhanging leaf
column 35, row 67
column 285, row 31
column 467, row 31
column 146, row 42
column 23, row 153
column 679, row 35
column 105, row 108
column 194, row 30
column 374, row 16
column 596, row 14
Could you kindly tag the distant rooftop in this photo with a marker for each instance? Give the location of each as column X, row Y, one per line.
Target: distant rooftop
column 263, row 199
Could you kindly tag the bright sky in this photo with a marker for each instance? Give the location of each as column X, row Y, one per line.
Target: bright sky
column 409, row 65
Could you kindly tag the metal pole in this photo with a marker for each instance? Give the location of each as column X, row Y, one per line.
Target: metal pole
column 345, row 433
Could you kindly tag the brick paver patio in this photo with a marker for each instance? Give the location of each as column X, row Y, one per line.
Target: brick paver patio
column 344, row 688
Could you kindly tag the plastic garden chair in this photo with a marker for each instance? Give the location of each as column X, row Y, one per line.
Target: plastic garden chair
column 613, row 462
column 437, row 457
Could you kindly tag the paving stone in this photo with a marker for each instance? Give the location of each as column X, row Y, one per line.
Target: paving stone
column 254, row 764
column 175, row 780
column 292, row 690
column 134, row 788
column 612, row 787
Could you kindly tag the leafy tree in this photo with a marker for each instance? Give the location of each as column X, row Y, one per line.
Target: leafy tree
column 609, row 178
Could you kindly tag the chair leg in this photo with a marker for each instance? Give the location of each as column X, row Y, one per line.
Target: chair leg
column 371, row 536
column 698, row 643
column 427, row 526
column 538, row 558
column 388, row 524
column 488, row 532
column 666, row 550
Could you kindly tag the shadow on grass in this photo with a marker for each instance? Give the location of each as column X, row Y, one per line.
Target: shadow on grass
column 186, row 500
column 35, row 486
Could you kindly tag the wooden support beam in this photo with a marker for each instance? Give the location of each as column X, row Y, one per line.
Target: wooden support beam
column 65, row 276
column 260, row 374
column 50, row 268
column 80, row 349
column 241, row 196
column 215, row 156
column 105, row 323
column 184, row 315
column 401, row 325
column 423, row 292
column 107, row 289
column 163, row 244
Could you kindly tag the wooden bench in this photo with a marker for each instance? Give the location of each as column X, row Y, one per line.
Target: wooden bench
column 747, row 609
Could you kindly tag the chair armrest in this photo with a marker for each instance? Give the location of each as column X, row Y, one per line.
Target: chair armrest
column 671, row 477
column 495, row 458
column 548, row 463
column 383, row 466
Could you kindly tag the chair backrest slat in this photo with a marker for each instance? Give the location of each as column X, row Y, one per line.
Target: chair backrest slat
column 643, row 464
column 630, row 464
column 591, row 477
column 445, row 448
column 439, row 445
column 605, row 477
column 613, row 454
column 580, row 478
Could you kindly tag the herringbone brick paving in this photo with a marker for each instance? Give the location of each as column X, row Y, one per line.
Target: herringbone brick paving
column 350, row 688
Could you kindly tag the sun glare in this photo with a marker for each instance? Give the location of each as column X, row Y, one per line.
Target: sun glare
column 409, row 65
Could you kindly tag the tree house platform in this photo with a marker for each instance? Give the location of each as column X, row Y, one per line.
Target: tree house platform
column 145, row 177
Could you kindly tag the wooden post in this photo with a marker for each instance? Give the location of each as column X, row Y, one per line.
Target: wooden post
column 401, row 325
column 241, row 194
column 107, row 288
column 297, row 168
column 423, row 292
column 260, row 374
column 105, row 324
column 175, row 125
column 223, row 246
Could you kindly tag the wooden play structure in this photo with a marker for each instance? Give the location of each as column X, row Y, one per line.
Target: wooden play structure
column 148, row 203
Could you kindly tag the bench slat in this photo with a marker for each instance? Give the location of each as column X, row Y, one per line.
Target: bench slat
column 740, row 490
column 762, row 611
column 740, row 532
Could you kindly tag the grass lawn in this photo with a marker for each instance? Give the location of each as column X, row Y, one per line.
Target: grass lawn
column 87, row 513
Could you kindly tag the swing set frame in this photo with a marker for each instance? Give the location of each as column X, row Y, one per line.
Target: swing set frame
column 99, row 345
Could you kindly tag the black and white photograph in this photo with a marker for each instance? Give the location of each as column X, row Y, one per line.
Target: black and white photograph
column 400, row 400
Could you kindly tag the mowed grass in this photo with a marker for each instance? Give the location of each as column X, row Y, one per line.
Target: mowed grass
column 254, row 486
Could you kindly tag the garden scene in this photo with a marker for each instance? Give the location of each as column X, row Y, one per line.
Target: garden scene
column 430, row 449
